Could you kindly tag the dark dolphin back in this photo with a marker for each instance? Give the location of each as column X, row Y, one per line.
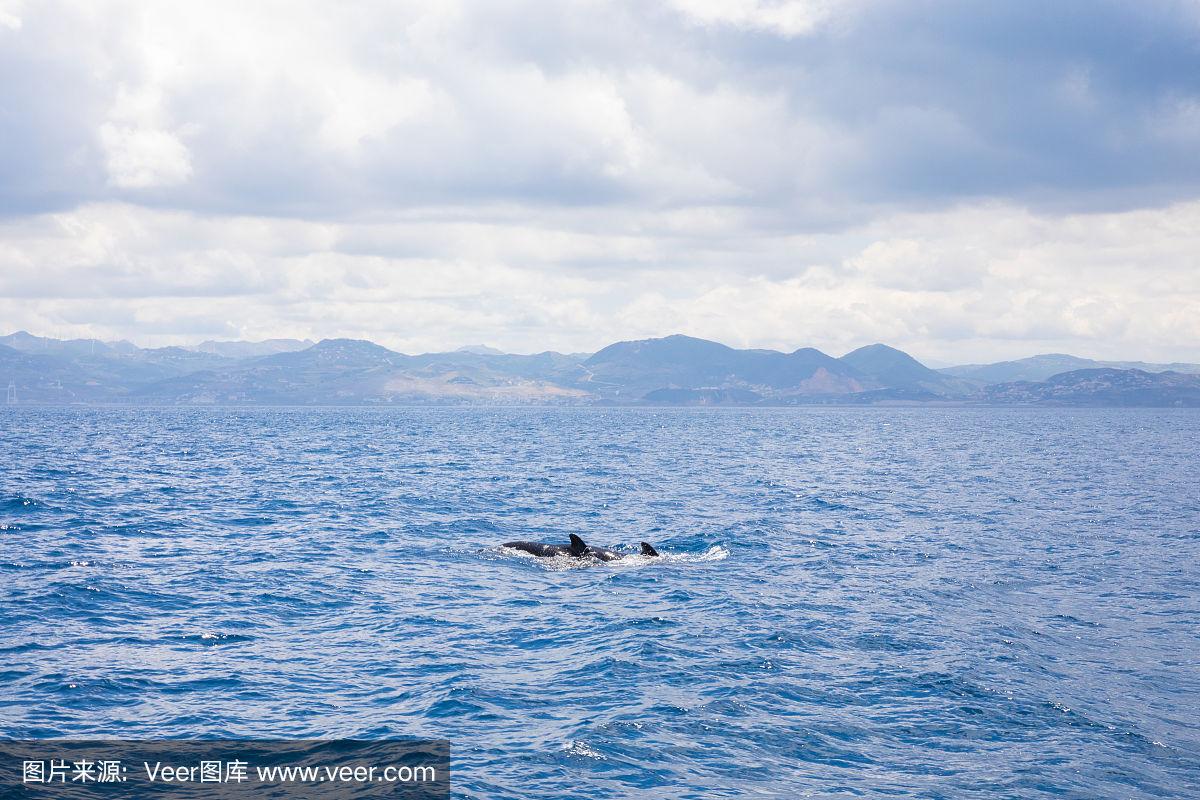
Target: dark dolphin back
column 602, row 553
column 578, row 548
column 539, row 549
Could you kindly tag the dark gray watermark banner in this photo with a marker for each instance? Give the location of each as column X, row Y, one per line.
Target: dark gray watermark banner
column 60, row 769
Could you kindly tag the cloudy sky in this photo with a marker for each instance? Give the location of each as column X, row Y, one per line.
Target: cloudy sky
column 965, row 180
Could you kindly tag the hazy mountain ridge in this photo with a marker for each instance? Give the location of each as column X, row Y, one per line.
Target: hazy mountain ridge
column 348, row 371
column 1042, row 367
column 1102, row 387
column 629, row 370
column 895, row 369
column 673, row 370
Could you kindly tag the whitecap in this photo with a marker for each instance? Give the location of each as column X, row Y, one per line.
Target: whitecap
column 578, row 748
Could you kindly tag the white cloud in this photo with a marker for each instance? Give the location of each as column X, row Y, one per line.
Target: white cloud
column 9, row 18
column 563, row 174
column 141, row 158
column 931, row 266
column 1013, row 283
column 785, row 17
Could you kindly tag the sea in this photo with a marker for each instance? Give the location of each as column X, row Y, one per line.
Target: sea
column 849, row 602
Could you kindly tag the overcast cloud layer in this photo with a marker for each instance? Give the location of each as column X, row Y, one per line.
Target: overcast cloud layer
column 964, row 180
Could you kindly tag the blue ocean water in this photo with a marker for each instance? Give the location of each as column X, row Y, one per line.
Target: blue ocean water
column 933, row 603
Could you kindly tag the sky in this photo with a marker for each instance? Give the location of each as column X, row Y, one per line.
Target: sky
column 968, row 181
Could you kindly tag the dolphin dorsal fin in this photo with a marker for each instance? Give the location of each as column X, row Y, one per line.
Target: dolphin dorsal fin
column 648, row 549
column 578, row 546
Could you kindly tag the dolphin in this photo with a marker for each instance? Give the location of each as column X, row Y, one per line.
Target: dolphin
column 577, row 549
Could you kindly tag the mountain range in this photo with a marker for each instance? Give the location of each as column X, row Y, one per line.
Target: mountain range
column 1039, row 368
column 673, row 370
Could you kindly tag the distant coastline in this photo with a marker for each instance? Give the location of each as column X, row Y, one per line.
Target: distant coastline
column 670, row 371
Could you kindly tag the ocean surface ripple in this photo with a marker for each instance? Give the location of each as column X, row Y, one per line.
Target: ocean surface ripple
column 932, row 603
